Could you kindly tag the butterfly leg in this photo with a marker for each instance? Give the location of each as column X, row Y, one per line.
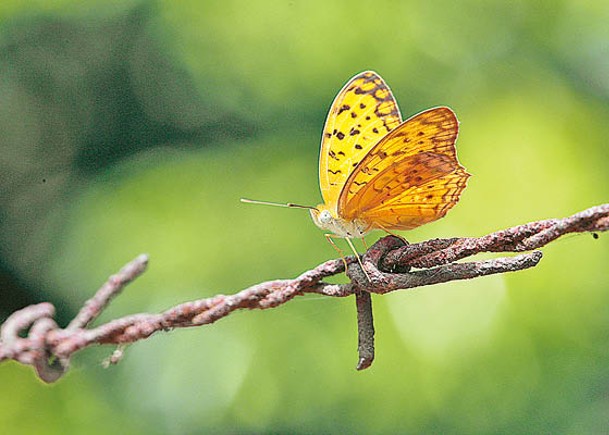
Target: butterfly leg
column 365, row 244
column 394, row 235
column 359, row 260
column 329, row 238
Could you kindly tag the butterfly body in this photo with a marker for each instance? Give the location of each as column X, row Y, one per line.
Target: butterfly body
column 377, row 172
column 326, row 220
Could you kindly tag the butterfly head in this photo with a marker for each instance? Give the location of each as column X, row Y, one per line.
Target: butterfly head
column 327, row 219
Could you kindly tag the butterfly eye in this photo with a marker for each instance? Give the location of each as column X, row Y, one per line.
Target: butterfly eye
column 325, row 217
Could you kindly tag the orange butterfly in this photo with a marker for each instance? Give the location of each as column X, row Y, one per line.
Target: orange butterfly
column 377, row 172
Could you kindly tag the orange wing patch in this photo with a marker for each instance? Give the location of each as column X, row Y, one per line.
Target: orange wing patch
column 411, row 177
column 420, row 204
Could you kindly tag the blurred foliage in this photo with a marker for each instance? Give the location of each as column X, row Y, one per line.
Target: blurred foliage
column 135, row 126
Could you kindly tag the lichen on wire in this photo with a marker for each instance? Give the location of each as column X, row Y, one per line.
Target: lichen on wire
column 32, row 337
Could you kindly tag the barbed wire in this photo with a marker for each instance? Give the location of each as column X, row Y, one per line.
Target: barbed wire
column 32, row 337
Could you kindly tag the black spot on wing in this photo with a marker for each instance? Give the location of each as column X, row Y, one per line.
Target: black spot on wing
column 344, row 108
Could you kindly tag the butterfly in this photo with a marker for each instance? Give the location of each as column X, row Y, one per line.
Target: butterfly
column 379, row 172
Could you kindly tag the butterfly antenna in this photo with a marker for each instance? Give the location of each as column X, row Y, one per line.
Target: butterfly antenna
column 277, row 204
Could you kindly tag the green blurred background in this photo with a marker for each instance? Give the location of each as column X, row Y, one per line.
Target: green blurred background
column 135, row 126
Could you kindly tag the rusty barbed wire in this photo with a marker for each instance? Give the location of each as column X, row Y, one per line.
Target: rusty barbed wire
column 48, row 348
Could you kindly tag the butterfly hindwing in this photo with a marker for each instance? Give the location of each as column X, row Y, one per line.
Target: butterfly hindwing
column 362, row 113
column 411, row 177
column 418, row 204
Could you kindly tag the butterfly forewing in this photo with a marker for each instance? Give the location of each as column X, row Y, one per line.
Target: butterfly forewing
column 411, row 177
column 362, row 113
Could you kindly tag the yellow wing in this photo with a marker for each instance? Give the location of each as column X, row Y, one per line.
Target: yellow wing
column 411, row 177
column 362, row 113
